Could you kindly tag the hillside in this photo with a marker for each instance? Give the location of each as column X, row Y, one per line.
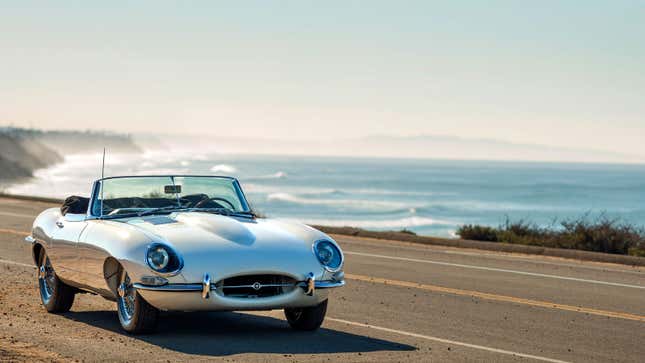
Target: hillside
column 21, row 155
column 22, row 151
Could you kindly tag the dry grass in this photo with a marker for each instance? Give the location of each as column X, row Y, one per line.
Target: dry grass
column 602, row 234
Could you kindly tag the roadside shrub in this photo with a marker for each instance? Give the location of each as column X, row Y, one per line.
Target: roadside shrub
column 600, row 235
column 477, row 232
column 407, row 231
column 637, row 251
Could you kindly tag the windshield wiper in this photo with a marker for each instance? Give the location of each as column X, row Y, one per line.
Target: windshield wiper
column 248, row 214
column 170, row 208
column 117, row 216
column 223, row 211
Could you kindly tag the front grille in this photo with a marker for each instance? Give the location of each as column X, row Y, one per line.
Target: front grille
column 255, row 286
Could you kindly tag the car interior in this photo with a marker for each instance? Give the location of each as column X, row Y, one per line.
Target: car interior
column 78, row 205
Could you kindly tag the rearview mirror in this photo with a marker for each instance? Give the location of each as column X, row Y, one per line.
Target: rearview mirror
column 172, row 189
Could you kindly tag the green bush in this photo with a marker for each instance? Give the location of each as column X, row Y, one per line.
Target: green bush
column 600, row 235
column 477, row 233
column 407, row 231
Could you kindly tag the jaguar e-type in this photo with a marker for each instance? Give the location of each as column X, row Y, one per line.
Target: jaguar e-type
column 181, row 243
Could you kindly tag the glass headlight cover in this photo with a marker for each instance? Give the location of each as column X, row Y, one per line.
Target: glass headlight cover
column 328, row 254
column 163, row 259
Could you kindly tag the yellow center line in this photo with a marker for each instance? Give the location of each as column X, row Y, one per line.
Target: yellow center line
column 13, row 231
column 495, row 297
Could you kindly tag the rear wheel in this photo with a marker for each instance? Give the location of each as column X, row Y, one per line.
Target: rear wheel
column 309, row 318
column 135, row 314
column 57, row 297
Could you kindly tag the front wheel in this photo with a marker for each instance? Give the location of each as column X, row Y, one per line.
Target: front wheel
column 135, row 314
column 309, row 318
column 57, row 297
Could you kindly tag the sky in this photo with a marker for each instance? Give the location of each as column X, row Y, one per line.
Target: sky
column 557, row 73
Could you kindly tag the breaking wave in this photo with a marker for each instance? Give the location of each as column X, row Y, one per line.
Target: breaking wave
column 355, row 203
column 324, row 192
column 396, row 192
column 276, row 175
column 223, row 168
column 269, row 189
column 381, row 224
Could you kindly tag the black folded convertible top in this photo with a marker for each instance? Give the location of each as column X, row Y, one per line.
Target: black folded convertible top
column 75, row 205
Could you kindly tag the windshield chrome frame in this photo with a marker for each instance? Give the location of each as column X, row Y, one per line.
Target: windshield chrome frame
column 97, row 186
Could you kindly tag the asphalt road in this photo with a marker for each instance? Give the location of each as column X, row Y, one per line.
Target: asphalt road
column 402, row 302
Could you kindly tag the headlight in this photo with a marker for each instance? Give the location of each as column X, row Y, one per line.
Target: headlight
column 329, row 255
column 163, row 259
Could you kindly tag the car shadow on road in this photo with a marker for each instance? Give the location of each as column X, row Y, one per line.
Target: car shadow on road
column 228, row 333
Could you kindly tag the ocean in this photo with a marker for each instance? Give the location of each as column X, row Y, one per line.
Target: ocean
column 429, row 197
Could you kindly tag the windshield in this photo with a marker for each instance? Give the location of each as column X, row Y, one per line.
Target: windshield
column 140, row 195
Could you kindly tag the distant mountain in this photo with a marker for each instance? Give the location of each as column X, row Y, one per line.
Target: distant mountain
column 451, row 147
column 423, row 146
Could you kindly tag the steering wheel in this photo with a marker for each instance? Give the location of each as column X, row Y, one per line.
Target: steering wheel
column 213, row 199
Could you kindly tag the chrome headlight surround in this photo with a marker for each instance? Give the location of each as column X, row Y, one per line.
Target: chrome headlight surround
column 172, row 265
column 327, row 245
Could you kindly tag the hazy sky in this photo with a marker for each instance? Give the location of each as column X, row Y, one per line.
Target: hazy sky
column 563, row 73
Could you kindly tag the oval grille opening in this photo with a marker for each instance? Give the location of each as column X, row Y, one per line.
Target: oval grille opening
column 255, row 286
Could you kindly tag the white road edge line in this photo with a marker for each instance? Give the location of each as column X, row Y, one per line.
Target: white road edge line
column 447, row 341
column 532, row 259
column 535, row 274
column 507, row 256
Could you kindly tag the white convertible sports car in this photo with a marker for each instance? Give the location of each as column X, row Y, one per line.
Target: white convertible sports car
column 181, row 243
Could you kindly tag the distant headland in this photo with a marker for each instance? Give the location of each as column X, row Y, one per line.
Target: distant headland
column 22, row 151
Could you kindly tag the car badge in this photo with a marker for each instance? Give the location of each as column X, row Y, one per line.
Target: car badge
column 256, row 286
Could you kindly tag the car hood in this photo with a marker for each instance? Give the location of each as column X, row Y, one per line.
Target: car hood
column 224, row 246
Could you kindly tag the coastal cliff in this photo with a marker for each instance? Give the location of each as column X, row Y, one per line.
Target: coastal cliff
column 21, row 155
column 22, row 151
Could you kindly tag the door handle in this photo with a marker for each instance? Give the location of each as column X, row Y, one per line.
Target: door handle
column 60, row 224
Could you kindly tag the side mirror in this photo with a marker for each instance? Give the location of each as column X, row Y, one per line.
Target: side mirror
column 71, row 217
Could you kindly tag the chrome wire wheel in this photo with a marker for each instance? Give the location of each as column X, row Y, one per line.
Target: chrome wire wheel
column 135, row 314
column 46, row 280
column 126, row 299
column 57, row 297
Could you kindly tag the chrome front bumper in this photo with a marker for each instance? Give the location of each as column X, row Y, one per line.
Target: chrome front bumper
column 199, row 287
column 205, row 296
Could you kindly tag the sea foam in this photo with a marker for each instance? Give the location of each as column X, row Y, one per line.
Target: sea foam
column 398, row 223
column 351, row 203
column 223, row 168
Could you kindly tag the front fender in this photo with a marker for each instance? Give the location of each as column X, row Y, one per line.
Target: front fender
column 103, row 241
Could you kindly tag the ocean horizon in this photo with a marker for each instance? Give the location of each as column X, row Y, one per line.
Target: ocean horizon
column 426, row 196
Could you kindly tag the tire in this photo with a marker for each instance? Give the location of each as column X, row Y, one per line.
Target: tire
column 309, row 318
column 135, row 314
column 56, row 296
